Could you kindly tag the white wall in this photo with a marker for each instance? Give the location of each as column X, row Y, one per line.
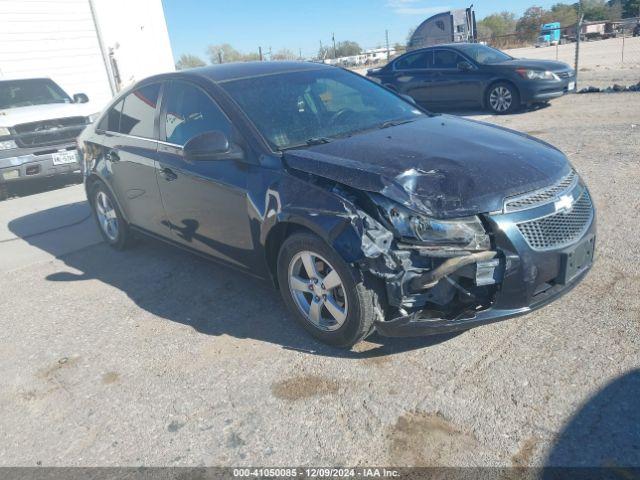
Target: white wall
column 54, row 39
column 58, row 39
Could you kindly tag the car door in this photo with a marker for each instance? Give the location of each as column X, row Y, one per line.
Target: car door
column 130, row 150
column 412, row 75
column 206, row 200
column 453, row 86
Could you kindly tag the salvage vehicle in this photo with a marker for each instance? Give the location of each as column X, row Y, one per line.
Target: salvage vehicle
column 39, row 124
column 367, row 212
column 472, row 75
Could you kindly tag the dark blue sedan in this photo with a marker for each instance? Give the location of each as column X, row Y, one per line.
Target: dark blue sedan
column 474, row 75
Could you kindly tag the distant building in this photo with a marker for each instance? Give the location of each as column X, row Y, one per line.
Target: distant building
column 96, row 47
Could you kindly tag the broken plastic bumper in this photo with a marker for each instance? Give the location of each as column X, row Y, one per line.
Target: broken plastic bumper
column 415, row 326
column 534, row 275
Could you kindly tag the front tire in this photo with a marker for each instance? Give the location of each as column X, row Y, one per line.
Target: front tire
column 112, row 226
column 503, row 98
column 333, row 301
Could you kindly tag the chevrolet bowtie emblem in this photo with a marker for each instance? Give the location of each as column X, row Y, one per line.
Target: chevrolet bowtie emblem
column 564, row 203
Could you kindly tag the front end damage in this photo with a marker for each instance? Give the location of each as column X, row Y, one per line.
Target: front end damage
column 491, row 274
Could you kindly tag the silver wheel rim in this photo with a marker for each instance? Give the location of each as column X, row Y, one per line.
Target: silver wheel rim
column 107, row 217
column 501, row 99
column 318, row 291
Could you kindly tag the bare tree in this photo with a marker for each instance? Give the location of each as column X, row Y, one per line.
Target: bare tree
column 188, row 60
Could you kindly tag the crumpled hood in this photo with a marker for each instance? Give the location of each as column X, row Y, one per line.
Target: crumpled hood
column 33, row 113
column 443, row 166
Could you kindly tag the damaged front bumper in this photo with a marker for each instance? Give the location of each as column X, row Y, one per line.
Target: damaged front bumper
column 537, row 256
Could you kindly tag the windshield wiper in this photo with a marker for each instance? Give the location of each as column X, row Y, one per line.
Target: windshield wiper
column 317, row 141
column 395, row 123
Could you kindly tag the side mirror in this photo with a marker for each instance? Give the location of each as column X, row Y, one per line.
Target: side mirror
column 409, row 99
column 465, row 66
column 213, row 145
column 80, row 98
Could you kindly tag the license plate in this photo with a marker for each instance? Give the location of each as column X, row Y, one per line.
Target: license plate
column 62, row 158
column 572, row 86
column 577, row 259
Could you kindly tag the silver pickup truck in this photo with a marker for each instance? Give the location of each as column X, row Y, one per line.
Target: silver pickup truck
column 39, row 124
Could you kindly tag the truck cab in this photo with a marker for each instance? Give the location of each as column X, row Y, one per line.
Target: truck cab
column 550, row 35
column 39, row 124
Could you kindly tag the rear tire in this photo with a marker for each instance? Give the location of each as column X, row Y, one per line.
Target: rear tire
column 113, row 228
column 348, row 292
column 503, row 98
column 4, row 191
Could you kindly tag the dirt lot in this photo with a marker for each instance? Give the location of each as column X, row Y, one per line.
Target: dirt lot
column 155, row 357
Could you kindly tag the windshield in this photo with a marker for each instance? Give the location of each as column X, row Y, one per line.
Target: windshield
column 23, row 93
column 302, row 108
column 485, row 55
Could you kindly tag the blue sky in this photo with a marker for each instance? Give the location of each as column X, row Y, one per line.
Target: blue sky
column 302, row 24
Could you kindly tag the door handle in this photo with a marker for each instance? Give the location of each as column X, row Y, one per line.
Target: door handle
column 112, row 156
column 169, row 175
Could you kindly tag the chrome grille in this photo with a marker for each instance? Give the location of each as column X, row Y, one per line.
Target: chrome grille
column 559, row 229
column 565, row 74
column 542, row 196
column 49, row 132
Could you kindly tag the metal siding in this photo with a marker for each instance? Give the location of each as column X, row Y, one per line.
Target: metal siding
column 54, row 39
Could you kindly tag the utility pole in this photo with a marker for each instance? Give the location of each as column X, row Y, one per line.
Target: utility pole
column 578, row 35
column 219, row 56
column 300, row 53
column 270, row 54
column 333, row 37
column 260, row 53
column 386, row 34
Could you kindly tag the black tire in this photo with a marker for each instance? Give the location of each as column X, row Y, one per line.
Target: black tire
column 362, row 292
column 498, row 89
column 4, row 191
column 124, row 236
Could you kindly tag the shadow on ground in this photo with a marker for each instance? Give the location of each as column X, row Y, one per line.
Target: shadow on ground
column 212, row 299
column 32, row 187
column 604, row 433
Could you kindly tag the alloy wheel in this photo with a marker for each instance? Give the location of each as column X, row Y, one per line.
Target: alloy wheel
column 107, row 217
column 318, row 291
column 501, row 99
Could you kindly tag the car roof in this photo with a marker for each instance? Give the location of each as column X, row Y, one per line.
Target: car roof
column 234, row 71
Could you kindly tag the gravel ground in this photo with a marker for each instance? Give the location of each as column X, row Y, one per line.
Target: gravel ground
column 155, row 357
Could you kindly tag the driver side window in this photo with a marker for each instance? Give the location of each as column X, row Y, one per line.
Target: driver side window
column 190, row 112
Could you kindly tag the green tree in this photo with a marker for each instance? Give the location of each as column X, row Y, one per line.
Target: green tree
column 595, row 10
column 347, row 49
column 225, row 53
column 630, row 8
column 499, row 24
column 528, row 26
column 564, row 13
column 188, row 60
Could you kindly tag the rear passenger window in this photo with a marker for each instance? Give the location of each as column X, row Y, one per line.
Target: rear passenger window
column 111, row 121
column 191, row 112
column 138, row 114
column 446, row 59
column 418, row 60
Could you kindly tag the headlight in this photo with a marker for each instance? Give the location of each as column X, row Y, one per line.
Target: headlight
column 93, row 117
column 464, row 233
column 4, row 132
column 8, row 145
column 537, row 74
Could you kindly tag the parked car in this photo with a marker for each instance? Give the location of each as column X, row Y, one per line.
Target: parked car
column 39, row 124
column 474, row 75
column 367, row 212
